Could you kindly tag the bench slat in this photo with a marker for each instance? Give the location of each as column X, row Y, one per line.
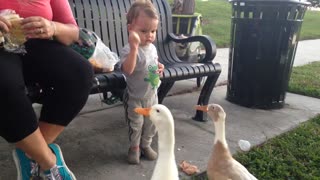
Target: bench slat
column 103, row 20
column 96, row 17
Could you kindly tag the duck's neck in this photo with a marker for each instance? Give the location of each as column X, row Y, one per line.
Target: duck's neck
column 220, row 134
column 166, row 167
column 166, row 142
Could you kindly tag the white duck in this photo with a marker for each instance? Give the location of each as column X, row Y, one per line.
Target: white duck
column 221, row 165
column 166, row 167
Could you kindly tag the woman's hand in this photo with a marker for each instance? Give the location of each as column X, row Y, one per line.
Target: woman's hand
column 38, row 27
column 4, row 25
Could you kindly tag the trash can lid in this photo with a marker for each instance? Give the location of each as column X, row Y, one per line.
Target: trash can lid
column 275, row 1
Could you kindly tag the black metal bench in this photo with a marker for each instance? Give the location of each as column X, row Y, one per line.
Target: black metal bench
column 107, row 18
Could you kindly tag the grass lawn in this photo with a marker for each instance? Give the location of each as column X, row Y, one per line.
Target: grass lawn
column 217, row 21
column 305, row 80
column 292, row 156
column 295, row 154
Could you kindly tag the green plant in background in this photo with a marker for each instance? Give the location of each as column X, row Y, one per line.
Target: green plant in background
column 217, row 21
column 311, row 25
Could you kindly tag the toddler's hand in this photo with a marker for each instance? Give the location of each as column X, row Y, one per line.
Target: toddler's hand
column 160, row 68
column 134, row 39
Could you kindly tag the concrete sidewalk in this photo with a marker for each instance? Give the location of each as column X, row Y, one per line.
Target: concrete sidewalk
column 95, row 144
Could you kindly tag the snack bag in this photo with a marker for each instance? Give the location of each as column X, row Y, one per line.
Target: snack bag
column 103, row 59
column 15, row 39
column 92, row 48
column 86, row 43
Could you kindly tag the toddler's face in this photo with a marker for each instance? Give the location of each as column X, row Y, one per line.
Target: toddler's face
column 146, row 28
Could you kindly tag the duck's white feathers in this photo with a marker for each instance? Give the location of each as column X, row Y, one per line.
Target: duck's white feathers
column 166, row 167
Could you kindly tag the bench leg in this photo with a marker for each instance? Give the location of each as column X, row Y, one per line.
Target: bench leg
column 118, row 93
column 163, row 90
column 205, row 96
column 199, row 79
column 113, row 96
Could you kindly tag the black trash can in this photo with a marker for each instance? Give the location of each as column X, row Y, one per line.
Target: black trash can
column 264, row 38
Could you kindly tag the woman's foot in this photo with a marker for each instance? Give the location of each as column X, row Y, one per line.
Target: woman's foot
column 26, row 168
column 60, row 171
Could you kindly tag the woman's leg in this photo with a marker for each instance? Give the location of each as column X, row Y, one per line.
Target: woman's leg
column 50, row 131
column 18, row 122
column 66, row 78
column 36, row 147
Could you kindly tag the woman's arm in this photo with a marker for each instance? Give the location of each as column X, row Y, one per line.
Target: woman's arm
column 66, row 28
column 65, row 33
column 39, row 27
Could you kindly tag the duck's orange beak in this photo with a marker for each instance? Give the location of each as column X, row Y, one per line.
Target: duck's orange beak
column 201, row 108
column 143, row 111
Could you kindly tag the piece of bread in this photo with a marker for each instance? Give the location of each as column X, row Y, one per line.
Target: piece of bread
column 16, row 34
column 11, row 16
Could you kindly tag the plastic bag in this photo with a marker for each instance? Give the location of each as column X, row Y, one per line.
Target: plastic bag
column 15, row 39
column 86, row 43
column 92, row 48
column 102, row 59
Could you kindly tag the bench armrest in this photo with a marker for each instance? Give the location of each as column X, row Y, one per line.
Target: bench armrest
column 206, row 41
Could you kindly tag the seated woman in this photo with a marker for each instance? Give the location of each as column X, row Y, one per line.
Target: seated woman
column 64, row 75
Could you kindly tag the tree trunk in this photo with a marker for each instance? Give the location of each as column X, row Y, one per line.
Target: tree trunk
column 183, row 6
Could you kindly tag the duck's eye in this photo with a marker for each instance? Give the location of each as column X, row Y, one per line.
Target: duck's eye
column 158, row 110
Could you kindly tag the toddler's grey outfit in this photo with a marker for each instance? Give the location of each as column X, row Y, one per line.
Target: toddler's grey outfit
column 141, row 91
